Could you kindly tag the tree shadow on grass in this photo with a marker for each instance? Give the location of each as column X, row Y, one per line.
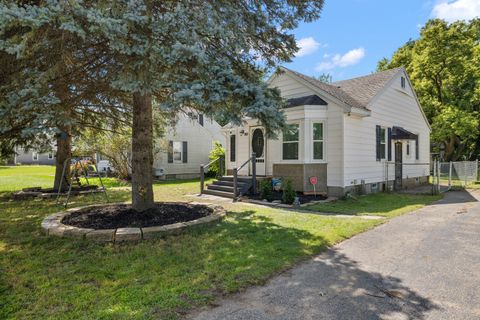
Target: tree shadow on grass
column 44, row 276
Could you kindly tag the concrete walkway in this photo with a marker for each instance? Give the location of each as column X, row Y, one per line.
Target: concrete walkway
column 423, row 265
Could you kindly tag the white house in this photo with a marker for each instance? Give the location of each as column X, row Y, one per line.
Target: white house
column 343, row 133
column 186, row 146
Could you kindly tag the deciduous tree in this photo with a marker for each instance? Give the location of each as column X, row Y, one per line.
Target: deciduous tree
column 444, row 66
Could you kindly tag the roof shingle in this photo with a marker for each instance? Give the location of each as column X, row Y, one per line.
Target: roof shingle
column 356, row 92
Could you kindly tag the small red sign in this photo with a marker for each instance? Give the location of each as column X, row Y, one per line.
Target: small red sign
column 313, row 180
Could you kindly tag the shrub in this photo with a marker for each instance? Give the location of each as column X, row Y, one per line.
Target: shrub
column 217, row 151
column 266, row 189
column 288, row 193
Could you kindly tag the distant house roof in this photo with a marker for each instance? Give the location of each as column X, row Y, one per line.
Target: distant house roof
column 356, row 92
column 312, row 100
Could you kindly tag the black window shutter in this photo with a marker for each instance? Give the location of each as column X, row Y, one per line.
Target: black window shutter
column 200, row 119
column 417, row 156
column 170, row 151
column 378, row 129
column 184, row 152
column 232, row 147
column 389, row 141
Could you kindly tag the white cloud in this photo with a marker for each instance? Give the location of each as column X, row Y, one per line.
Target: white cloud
column 456, row 10
column 307, row 46
column 350, row 58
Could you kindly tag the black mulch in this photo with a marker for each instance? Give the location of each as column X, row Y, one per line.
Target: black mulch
column 277, row 195
column 123, row 216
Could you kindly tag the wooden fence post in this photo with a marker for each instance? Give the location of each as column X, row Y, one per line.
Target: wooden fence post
column 235, row 184
column 202, row 179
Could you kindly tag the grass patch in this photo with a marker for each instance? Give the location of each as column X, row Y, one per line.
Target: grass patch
column 46, row 277
column 378, row 204
column 19, row 177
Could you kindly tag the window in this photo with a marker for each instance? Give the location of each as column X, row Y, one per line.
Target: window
column 35, row 156
column 177, row 151
column 383, row 143
column 402, row 82
column 318, row 141
column 290, row 142
column 408, row 148
column 233, row 146
column 50, row 155
column 200, row 119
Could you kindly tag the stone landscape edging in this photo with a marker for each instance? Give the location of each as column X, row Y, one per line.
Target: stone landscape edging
column 53, row 226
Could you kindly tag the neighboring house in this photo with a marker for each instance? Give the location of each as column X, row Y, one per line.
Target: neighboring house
column 32, row 156
column 342, row 133
column 186, row 146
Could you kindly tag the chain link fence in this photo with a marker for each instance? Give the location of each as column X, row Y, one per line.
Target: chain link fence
column 455, row 174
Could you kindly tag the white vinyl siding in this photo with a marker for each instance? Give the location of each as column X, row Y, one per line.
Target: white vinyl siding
column 392, row 108
column 199, row 144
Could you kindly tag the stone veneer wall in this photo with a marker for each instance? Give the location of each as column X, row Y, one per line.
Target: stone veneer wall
column 301, row 173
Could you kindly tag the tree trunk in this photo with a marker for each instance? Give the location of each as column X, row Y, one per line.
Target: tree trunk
column 142, row 157
column 64, row 150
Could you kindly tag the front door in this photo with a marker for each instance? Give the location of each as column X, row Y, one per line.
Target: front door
column 398, row 165
column 257, row 145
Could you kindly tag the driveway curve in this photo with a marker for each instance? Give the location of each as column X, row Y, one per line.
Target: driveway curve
column 422, row 265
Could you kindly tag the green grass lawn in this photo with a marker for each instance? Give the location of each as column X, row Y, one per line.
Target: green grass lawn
column 19, row 177
column 378, row 204
column 46, row 277
column 16, row 178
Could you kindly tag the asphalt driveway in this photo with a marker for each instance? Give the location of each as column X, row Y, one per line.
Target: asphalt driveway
column 423, row 265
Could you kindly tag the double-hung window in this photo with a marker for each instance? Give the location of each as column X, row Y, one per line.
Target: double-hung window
column 290, row 145
column 318, row 141
column 383, row 143
column 177, row 151
column 35, row 156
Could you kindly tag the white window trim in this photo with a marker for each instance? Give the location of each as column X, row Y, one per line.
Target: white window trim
column 300, row 139
column 50, row 155
column 34, row 153
column 324, row 135
column 181, row 152
column 385, row 142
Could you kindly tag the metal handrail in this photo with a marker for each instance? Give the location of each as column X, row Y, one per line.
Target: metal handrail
column 202, row 171
column 210, row 163
column 253, row 159
column 243, row 165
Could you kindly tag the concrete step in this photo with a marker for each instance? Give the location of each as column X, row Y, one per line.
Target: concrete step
column 228, row 183
column 219, row 193
column 245, row 179
column 221, row 188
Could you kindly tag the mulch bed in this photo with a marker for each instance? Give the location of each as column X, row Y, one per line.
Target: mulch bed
column 38, row 192
column 277, row 195
column 123, row 216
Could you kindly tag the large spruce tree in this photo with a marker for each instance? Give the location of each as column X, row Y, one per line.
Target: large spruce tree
column 207, row 55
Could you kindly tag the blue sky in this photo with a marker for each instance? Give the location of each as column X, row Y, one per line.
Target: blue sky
column 353, row 35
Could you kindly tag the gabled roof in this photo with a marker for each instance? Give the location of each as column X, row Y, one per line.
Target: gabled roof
column 365, row 88
column 356, row 92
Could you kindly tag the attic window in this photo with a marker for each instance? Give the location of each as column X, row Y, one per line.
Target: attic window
column 402, row 82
